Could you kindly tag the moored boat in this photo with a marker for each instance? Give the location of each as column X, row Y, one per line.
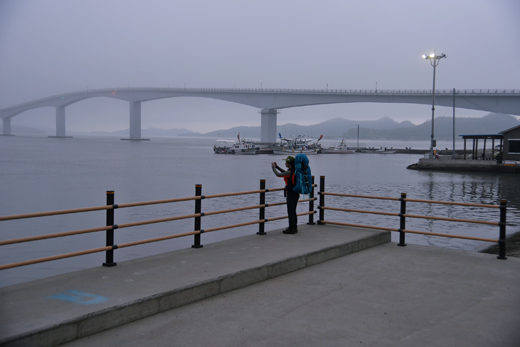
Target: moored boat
column 292, row 150
column 342, row 148
column 265, row 150
column 239, row 146
column 223, row 146
column 381, row 150
column 244, row 148
column 297, row 145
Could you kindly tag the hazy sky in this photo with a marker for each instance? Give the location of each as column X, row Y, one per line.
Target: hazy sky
column 56, row 46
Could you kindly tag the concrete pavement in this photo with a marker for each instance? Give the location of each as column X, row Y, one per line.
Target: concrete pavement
column 381, row 295
column 62, row 308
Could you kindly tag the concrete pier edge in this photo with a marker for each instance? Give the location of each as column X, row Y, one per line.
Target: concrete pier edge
column 107, row 318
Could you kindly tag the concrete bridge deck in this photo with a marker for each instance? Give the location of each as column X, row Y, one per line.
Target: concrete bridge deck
column 326, row 285
column 269, row 101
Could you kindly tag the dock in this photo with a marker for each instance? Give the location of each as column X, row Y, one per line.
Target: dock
column 444, row 152
column 445, row 164
column 326, row 285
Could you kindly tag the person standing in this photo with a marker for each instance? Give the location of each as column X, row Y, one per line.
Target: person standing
column 291, row 196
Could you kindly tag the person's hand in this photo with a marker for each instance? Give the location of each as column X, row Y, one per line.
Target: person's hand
column 273, row 164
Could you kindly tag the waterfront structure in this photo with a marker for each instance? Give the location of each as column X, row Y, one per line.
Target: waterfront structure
column 498, row 158
column 493, row 153
column 269, row 101
column 511, row 145
column 508, row 147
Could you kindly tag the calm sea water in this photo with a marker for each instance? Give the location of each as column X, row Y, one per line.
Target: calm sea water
column 44, row 174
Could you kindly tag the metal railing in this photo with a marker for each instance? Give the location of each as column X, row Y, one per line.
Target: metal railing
column 110, row 208
column 403, row 215
column 110, row 227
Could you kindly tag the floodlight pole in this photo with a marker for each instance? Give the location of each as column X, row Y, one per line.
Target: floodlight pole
column 434, row 61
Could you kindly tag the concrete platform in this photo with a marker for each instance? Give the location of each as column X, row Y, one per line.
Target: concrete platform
column 383, row 296
column 462, row 165
column 63, row 308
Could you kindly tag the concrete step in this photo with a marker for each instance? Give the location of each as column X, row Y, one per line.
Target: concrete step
column 55, row 310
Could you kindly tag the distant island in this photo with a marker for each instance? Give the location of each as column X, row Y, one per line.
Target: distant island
column 383, row 128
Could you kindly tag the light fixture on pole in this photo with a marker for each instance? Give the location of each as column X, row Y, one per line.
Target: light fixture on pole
column 434, row 61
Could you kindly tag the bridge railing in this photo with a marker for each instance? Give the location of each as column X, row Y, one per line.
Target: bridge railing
column 482, row 92
column 110, row 227
column 402, row 215
column 312, row 91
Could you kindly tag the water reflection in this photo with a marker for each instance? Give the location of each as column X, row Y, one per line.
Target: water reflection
column 437, row 186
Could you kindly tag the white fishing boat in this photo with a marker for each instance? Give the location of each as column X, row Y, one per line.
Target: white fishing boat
column 244, row 148
column 239, row 146
column 342, row 148
column 300, row 144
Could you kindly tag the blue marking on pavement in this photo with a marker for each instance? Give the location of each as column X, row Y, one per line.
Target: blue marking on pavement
column 79, row 297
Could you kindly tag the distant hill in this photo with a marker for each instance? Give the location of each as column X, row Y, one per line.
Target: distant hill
column 492, row 123
column 336, row 127
column 386, row 128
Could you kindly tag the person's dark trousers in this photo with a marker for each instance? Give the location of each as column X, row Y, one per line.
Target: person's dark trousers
column 292, row 201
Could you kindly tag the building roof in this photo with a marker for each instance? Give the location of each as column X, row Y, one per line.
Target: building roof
column 483, row 136
column 510, row 129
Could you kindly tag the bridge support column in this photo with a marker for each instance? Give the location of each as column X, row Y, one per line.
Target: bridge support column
column 6, row 124
column 268, row 125
column 135, row 122
column 60, row 123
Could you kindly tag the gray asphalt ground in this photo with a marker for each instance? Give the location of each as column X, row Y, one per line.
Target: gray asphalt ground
column 325, row 286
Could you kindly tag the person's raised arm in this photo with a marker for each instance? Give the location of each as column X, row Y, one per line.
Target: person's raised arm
column 280, row 172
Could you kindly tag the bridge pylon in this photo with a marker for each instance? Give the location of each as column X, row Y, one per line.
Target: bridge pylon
column 268, row 125
column 135, row 122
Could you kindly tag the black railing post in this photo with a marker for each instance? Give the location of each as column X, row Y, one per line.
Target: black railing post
column 261, row 226
column 322, row 200
column 109, row 255
column 198, row 204
column 402, row 223
column 311, row 204
column 502, row 238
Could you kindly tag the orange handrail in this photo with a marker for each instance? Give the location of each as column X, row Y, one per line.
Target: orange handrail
column 403, row 215
column 135, row 243
column 111, row 228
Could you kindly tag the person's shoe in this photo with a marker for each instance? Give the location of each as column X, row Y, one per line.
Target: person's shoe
column 290, row 231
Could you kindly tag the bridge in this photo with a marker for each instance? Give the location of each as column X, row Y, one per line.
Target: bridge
column 270, row 101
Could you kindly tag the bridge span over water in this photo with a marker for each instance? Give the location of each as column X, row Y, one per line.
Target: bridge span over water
column 270, row 101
